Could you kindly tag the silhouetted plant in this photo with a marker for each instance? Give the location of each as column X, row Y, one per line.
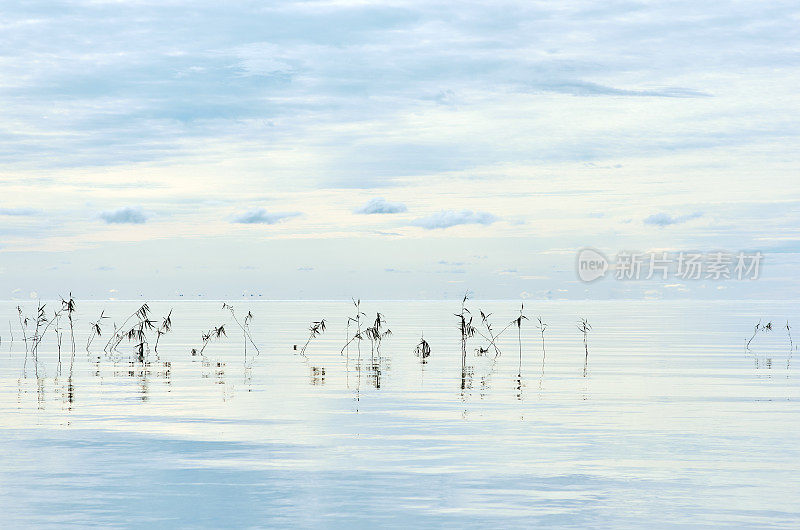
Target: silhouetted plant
column 492, row 337
column 69, row 307
column 23, row 324
column 759, row 328
column 518, row 322
column 41, row 323
column 315, row 330
column 96, row 330
column 423, row 350
column 163, row 329
column 209, row 336
column 542, row 326
column 376, row 333
column 791, row 345
column 56, row 319
column 467, row 331
column 121, row 332
column 584, row 327
column 244, row 327
column 356, row 319
column 138, row 334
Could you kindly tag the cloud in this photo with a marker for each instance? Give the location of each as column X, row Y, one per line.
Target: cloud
column 262, row 216
column 18, row 211
column 448, row 218
column 665, row 219
column 586, row 88
column 127, row 215
column 381, row 205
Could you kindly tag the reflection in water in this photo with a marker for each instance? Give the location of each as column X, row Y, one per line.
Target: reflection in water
column 481, row 356
column 317, row 376
column 662, row 388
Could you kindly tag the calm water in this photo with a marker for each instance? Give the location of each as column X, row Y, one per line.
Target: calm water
column 676, row 424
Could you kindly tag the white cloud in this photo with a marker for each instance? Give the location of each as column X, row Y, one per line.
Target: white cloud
column 18, row 211
column 665, row 219
column 448, row 218
column 127, row 215
column 262, row 216
column 381, row 205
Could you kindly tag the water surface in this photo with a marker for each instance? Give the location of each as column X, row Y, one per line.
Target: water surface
column 675, row 424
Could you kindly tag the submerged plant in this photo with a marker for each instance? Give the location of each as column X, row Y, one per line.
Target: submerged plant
column 518, row 322
column 759, row 328
column 68, row 306
column 245, row 326
column 492, row 337
column 56, row 318
column 140, row 332
column 376, row 333
column 314, row 330
column 584, row 327
column 541, row 326
column 467, row 331
column 96, row 330
column 23, row 324
column 38, row 334
column 163, row 329
column 209, row 336
column 423, row 350
column 121, row 332
column 355, row 319
column 762, row 328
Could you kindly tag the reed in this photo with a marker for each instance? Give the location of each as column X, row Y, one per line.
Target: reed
column 423, row 350
column 96, row 330
column 467, row 331
column 492, row 337
column 758, row 328
column 209, row 336
column 244, row 327
column 542, row 326
column 68, row 306
column 140, row 331
column 518, row 322
column 56, row 318
column 23, row 324
column 584, row 327
column 376, row 333
column 355, row 319
column 163, row 329
column 138, row 334
column 121, row 332
column 314, row 330
column 41, row 324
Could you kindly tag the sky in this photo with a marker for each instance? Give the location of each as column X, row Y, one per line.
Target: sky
column 393, row 150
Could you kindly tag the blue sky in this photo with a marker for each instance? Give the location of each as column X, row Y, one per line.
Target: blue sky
column 392, row 149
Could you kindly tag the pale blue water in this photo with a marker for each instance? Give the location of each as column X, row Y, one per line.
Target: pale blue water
column 675, row 424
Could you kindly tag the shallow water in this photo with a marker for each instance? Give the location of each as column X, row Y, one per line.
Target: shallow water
column 675, row 424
